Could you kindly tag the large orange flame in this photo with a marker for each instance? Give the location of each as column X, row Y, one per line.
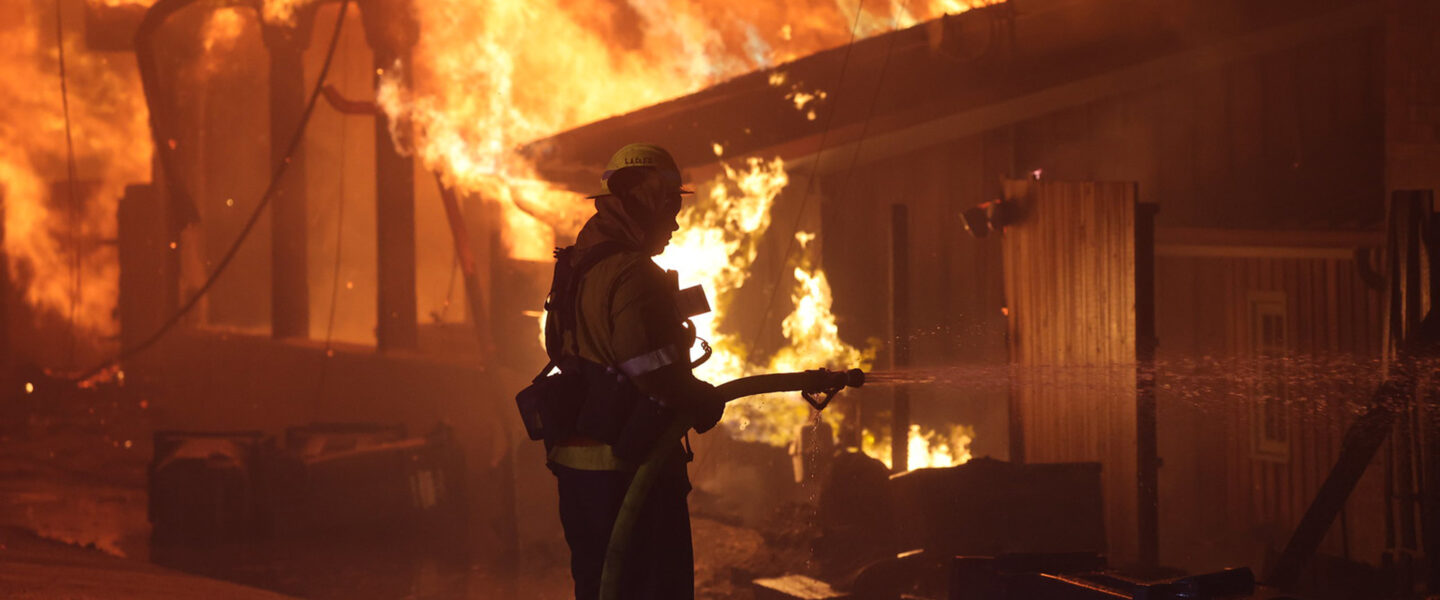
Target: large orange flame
column 44, row 228
column 490, row 76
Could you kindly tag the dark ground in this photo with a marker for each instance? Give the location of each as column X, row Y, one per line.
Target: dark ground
column 73, row 509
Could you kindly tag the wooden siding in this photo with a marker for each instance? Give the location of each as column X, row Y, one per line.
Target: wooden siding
column 1221, row 499
column 1070, row 288
column 1288, row 139
column 1292, row 138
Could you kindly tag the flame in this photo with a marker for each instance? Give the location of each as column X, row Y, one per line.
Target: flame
column 108, row 123
column 112, row 149
column 715, row 247
column 281, row 12
column 275, row 12
column 222, row 28
column 490, row 76
column 717, row 242
column 930, row 449
column 487, row 77
column 804, row 101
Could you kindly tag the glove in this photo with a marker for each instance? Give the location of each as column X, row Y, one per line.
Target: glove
column 709, row 407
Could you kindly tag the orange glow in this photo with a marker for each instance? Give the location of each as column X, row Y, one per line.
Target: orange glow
column 930, row 449
column 281, row 11
column 490, row 76
column 715, row 247
column 222, row 27
column 111, row 137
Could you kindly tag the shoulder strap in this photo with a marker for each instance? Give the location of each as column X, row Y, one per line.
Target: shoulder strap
column 561, row 304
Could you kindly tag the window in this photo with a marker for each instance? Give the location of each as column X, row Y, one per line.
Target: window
column 1269, row 392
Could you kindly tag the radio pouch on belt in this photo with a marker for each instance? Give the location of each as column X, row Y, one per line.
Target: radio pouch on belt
column 551, row 405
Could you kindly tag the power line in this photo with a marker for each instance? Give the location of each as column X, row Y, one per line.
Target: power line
column 279, row 172
column 70, row 169
column 339, row 239
column 815, row 168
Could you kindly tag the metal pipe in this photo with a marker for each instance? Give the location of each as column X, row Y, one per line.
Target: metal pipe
column 465, row 253
column 1147, row 451
column 900, row 325
column 805, row 381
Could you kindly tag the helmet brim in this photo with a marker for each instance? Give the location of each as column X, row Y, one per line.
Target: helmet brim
column 604, row 194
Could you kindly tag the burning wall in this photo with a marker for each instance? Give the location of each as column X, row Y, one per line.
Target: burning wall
column 488, row 77
column 485, row 78
column 57, row 246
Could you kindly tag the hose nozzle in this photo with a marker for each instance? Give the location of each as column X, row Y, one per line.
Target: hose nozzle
column 827, row 383
column 818, row 386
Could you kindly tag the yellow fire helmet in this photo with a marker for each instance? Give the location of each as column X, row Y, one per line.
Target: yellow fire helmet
column 641, row 155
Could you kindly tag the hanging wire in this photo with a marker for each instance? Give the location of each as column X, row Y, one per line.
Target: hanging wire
column 275, row 177
column 74, row 204
column 439, row 315
column 815, row 166
column 339, row 231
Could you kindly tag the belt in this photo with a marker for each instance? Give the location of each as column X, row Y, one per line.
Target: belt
column 586, row 454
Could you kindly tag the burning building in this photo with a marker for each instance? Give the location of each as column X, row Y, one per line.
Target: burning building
column 1160, row 238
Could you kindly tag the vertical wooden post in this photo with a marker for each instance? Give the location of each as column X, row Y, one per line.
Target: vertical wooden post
column 900, row 325
column 149, row 287
column 4, row 288
column 289, row 272
column 1147, row 452
column 1412, row 209
column 1422, row 420
column 395, row 237
column 1371, row 428
column 1070, row 262
column 475, row 295
column 391, row 31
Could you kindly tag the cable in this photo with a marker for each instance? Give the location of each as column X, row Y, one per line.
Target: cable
column 339, row 243
column 265, row 199
column 819, row 152
column 339, row 235
column 439, row 315
column 70, row 169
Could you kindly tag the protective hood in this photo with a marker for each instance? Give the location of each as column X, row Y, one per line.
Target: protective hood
column 640, row 218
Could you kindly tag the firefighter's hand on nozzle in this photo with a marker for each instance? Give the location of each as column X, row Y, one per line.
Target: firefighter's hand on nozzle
column 709, row 407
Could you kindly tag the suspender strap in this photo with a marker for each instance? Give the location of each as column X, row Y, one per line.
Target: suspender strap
column 562, row 304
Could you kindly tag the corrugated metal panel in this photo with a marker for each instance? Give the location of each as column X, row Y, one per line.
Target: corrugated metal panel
column 1070, row 289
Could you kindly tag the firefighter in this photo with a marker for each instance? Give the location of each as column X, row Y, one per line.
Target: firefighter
column 613, row 318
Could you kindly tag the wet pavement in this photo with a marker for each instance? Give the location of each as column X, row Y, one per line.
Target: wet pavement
column 73, row 524
column 73, row 517
column 33, row 568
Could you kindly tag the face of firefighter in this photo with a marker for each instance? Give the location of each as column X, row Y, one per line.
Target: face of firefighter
column 653, row 201
column 665, row 224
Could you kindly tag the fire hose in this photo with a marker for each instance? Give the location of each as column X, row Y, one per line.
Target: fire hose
column 817, row 386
